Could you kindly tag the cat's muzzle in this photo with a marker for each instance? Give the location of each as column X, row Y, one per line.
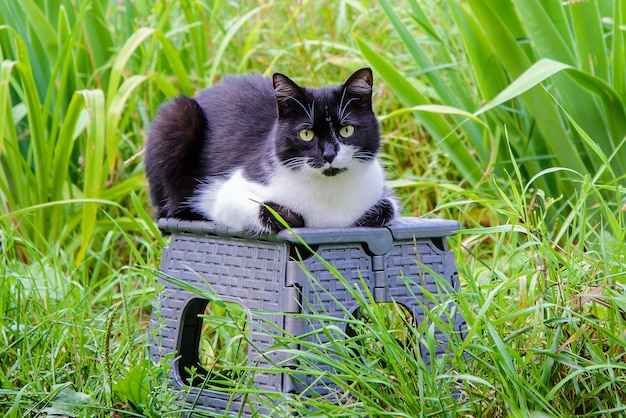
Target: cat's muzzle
column 333, row 171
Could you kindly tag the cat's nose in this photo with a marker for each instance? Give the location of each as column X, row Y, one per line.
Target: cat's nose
column 329, row 153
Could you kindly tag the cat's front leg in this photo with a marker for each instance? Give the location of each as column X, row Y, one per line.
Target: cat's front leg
column 381, row 214
column 269, row 221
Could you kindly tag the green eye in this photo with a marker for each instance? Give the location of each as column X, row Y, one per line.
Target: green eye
column 306, row 135
column 346, row 131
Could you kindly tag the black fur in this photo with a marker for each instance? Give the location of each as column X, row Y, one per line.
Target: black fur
column 173, row 157
column 381, row 213
column 273, row 224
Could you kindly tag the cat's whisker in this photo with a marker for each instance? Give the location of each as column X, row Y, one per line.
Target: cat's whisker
column 343, row 118
column 310, row 111
column 342, row 108
column 364, row 155
column 295, row 162
column 339, row 105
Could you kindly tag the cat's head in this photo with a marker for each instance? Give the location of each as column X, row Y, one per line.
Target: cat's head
column 328, row 130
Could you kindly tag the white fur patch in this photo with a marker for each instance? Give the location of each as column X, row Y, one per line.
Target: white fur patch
column 336, row 201
column 232, row 202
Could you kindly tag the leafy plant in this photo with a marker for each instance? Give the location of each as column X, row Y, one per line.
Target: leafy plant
column 506, row 66
column 67, row 402
column 139, row 387
column 60, row 147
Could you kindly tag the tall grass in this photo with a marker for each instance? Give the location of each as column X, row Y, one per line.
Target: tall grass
column 63, row 140
column 513, row 65
column 560, row 298
column 522, row 106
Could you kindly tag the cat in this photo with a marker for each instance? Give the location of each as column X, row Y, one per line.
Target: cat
column 251, row 143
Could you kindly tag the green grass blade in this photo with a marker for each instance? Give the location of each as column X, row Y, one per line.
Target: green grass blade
column 64, row 145
column 485, row 62
column 65, row 70
column 546, row 34
column 451, row 89
column 550, row 44
column 420, row 57
column 453, row 71
column 45, row 32
column 536, row 102
column 164, row 85
column 94, row 164
column 122, row 58
column 590, row 43
column 179, row 69
column 6, row 67
column 533, row 77
column 115, row 99
column 98, row 35
column 618, row 49
column 488, row 73
column 116, row 106
column 192, row 11
column 593, row 146
column 434, row 123
column 543, row 70
column 538, row 73
column 38, row 143
column 16, row 17
column 614, row 111
column 422, row 20
column 12, row 171
column 232, row 30
column 548, row 29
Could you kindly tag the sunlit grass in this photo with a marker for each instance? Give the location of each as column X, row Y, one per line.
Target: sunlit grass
column 542, row 262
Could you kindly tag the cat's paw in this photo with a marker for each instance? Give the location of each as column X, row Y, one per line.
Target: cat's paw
column 383, row 212
column 270, row 222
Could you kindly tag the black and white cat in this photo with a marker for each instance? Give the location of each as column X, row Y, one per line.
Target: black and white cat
column 251, row 142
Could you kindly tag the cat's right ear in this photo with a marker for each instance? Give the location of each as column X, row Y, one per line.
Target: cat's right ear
column 289, row 96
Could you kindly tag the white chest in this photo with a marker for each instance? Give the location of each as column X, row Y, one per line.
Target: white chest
column 336, row 201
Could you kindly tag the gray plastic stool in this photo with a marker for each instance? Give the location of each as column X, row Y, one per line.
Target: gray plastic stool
column 259, row 273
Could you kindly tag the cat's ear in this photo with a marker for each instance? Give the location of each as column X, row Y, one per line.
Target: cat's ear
column 359, row 86
column 289, row 96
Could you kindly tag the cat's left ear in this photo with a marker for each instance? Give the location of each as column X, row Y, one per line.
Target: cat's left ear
column 359, row 86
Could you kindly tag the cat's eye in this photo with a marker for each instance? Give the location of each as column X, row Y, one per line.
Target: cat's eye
column 306, row 135
column 346, row 131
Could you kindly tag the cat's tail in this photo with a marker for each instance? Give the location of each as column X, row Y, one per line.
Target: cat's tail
column 173, row 157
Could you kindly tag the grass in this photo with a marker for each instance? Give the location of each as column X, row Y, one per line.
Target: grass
column 542, row 253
